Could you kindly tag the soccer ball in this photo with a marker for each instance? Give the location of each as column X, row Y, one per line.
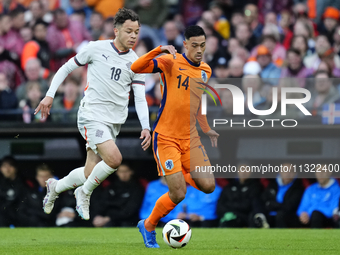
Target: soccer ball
column 176, row 233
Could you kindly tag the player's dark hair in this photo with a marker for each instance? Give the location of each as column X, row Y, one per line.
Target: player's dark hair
column 293, row 50
column 43, row 167
column 9, row 160
column 123, row 15
column 193, row 31
column 40, row 22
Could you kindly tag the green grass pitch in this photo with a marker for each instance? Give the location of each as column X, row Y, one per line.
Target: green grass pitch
column 204, row 241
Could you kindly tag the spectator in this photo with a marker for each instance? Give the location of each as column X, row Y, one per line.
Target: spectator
column 237, row 17
column 69, row 102
column 38, row 48
column 80, row 5
column 235, row 67
column 336, row 37
column 26, row 33
column 282, row 198
column 329, row 22
column 108, row 30
column 252, row 19
column 221, row 71
column 173, row 35
column 244, row 36
column 36, row 12
column 30, row 213
column 319, row 201
column 33, row 72
column 151, row 13
column 212, row 53
column 199, row 209
column 221, row 25
column 96, row 24
column 322, row 49
column 295, row 67
column 18, row 19
column 12, row 190
column 121, row 201
column 323, row 93
column 300, row 43
column 154, row 190
column 271, row 39
column 235, row 205
column 64, row 37
column 233, row 45
column 254, row 82
column 10, row 39
column 303, row 28
column 285, row 26
column 8, row 100
column 107, row 8
column 34, row 96
column 269, row 71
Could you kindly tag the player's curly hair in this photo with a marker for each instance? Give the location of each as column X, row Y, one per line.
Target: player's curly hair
column 193, row 31
column 123, row 15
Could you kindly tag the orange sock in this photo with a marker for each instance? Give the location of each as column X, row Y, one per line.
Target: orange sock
column 189, row 180
column 162, row 207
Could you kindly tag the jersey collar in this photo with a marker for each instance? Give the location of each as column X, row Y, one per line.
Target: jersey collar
column 190, row 62
column 118, row 51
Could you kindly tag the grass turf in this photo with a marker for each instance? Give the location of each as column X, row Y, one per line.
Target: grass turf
column 204, row 241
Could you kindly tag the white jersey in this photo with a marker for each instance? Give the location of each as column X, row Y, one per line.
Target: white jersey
column 109, row 80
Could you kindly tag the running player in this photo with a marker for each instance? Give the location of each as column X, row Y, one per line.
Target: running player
column 176, row 145
column 102, row 110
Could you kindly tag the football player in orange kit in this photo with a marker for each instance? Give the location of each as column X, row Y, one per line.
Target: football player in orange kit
column 176, row 145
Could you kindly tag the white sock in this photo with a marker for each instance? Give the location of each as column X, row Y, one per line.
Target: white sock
column 99, row 173
column 74, row 179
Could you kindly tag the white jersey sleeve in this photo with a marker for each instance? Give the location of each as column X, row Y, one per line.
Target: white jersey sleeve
column 81, row 59
column 138, row 86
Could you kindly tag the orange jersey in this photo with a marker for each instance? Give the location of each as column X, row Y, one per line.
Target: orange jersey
column 181, row 99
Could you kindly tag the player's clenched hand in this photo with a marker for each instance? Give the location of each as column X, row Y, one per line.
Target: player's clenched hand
column 45, row 107
column 169, row 49
column 304, row 218
column 145, row 134
column 213, row 135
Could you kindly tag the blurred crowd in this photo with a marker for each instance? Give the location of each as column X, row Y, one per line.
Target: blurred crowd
column 256, row 44
column 123, row 199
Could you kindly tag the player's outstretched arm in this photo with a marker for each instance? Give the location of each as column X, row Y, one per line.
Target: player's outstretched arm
column 213, row 135
column 45, row 107
column 46, row 104
column 146, row 137
column 147, row 63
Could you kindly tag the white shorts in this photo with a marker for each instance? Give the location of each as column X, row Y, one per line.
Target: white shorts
column 95, row 132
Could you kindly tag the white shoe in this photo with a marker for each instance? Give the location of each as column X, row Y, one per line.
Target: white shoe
column 83, row 203
column 51, row 195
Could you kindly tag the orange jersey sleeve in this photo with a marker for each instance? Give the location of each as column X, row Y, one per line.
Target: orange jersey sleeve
column 147, row 63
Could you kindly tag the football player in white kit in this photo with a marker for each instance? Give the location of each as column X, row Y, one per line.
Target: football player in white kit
column 102, row 110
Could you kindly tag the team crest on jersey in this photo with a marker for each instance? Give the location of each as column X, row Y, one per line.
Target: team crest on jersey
column 204, row 76
column 169, row 164
column 129, row 65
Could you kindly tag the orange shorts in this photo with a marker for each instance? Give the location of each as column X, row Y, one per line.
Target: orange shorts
column 174, row 155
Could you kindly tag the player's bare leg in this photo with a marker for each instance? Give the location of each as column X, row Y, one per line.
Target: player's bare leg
column 74, row 179
column 111, row 159
column 205, row 182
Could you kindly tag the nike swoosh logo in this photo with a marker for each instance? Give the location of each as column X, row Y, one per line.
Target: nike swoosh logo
column 182, row 69
column 206, row 160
